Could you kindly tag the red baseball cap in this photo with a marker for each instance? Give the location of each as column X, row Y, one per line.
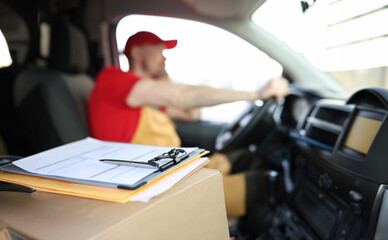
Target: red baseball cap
column 143, row 38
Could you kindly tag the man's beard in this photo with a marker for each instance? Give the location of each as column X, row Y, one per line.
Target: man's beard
column 155, row 74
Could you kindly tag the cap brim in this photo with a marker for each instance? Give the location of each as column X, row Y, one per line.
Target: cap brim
column 170, row 43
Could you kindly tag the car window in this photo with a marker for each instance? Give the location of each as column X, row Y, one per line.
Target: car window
column 205, row 55
column 16, row 32
column 5, row 57
column 346, row 38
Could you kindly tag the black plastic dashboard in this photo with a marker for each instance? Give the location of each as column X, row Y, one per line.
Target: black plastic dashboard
column 342, row 150
column 351, row 135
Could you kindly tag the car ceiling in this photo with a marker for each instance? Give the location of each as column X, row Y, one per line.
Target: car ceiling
column 223, row 9
column 209, row 11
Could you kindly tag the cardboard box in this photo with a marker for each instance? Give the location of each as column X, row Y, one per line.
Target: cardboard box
column 193, row 209
column 4, row 234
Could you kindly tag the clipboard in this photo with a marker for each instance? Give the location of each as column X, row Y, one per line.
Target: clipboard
column 143, row 194
column 11, row 167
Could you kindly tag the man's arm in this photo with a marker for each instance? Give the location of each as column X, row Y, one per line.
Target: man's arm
column 187, row 115
column 161, row 93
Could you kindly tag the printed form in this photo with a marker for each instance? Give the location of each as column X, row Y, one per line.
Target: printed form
column 80, row 160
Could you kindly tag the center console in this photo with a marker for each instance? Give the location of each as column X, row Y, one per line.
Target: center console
column 340, row 172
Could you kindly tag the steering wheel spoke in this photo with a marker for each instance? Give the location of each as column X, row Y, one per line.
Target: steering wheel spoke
column 237, row 133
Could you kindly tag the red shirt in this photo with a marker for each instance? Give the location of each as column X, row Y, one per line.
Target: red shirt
column 109, row 117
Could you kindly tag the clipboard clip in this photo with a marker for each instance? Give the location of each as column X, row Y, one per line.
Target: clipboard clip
column 176, row 155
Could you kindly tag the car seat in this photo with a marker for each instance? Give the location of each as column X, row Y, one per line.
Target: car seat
column 51, row 102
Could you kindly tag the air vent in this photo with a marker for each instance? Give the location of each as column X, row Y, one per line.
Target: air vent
column 324, row 125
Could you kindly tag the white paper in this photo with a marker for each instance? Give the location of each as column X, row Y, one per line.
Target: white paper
column 80, row 160
column 167, row 182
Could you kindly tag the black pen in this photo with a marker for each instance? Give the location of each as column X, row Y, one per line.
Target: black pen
column 130, row 163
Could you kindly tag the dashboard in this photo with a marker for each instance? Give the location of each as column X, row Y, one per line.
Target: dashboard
column 341, row 148
column 294, row 107
column 347, row 133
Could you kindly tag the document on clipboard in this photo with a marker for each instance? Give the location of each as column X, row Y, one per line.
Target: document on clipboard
column 79, row 162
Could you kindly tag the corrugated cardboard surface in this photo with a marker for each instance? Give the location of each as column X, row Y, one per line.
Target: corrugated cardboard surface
column 193, row 209
column 4, row 235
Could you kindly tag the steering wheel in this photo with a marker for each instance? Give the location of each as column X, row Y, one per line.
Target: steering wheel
column 233, row 135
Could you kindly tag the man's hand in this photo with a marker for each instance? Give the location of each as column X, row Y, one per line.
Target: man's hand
column 276, row 87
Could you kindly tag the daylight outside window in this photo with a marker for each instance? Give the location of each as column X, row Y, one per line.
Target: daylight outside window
column 205, row 55
column 347, row 39
column 5, row 57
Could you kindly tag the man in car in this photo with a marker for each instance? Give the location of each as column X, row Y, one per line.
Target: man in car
column 138, row 107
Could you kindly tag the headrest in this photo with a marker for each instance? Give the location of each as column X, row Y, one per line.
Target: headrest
column 69, row 48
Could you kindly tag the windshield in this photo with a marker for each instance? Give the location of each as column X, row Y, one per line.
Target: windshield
column 347, row 39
